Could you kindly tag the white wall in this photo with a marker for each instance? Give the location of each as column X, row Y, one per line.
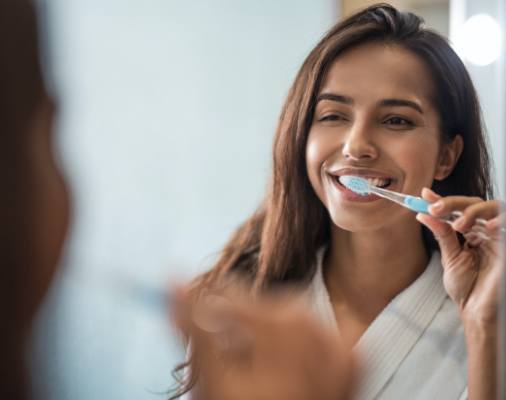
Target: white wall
column 168, row 109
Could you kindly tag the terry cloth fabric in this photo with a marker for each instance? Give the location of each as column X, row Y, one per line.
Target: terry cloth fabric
column 415, row 348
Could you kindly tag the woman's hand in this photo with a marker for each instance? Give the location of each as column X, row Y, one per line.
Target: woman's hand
column 472, row 275
column 471, row 271
column 267, row 349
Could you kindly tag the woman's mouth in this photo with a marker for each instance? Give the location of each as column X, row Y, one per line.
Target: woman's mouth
column 381, row 182
column 378, row 182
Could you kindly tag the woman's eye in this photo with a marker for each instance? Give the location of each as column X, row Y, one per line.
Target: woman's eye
column 331, row 117
column 399, row 121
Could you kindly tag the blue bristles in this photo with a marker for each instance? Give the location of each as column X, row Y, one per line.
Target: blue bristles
column 356, row 184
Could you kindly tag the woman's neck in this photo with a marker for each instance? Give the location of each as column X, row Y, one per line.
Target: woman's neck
column 364, row 271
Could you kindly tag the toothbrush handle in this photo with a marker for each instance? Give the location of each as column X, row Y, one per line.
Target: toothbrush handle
column 479, row 228
column 454, row 215
column 418, row 204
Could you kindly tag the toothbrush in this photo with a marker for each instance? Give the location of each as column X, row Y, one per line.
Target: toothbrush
column 151, row 297
column 161, row 300
column 417, row 204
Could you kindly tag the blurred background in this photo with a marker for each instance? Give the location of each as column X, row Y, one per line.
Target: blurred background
column 167, row 114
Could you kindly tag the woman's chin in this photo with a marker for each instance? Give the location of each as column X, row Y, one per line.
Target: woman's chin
column 357, row 220
column 361, row 220
column 352, row 228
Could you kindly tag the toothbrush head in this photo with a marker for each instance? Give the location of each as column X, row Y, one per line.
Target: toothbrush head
column 356, row 184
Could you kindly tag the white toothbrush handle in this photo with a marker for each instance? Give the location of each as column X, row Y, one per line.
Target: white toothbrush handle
column 454, row 215
column 478, row 229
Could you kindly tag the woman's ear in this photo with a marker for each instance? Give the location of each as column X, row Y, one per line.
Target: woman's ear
column 448, row 157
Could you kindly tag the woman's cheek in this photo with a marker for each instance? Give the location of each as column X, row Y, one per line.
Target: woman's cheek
column 317, row 153
column 418, row 159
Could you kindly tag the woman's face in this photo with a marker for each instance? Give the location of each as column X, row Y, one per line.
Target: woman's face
column 374, row 119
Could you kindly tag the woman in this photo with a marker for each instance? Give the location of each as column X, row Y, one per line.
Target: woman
column 386, row 99
column 34, row 210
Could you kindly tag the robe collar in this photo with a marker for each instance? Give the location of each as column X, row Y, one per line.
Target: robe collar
column 394, row 332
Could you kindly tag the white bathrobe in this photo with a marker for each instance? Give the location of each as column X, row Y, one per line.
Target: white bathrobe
column 415, row 348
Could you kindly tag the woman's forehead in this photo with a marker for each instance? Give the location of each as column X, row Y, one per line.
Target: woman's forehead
column 377, row 70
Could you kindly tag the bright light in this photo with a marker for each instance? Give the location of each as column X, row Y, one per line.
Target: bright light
column 479, row 40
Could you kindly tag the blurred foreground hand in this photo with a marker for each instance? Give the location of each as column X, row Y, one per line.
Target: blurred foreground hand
column 261, row 349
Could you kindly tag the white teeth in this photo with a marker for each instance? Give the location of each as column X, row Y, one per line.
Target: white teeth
column 377, row 181
column 374, row 181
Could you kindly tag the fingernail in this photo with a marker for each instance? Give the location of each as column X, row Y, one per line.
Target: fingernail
column 437, row 206
column 491, row 225
column 458, row 223
column 212, row 314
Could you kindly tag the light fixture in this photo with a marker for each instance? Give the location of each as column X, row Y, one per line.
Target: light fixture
column 479, row 40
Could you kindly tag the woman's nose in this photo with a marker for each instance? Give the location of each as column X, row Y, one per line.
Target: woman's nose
column 359, row 145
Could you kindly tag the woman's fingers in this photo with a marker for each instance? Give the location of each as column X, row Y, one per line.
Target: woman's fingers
column 445, row 205
column 445, row 236
column 222, row 343
column 430, row 195
column 483, row 210
column 268, row 345
column 474, row 210
column 180, row 308
column 202, row 347
column 497, row 223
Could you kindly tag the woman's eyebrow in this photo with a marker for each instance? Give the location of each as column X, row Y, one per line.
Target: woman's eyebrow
column 383, row 103
column 400, row 103
column 335, row 97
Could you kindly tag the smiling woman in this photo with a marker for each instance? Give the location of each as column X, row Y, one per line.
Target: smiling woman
column 383, row 98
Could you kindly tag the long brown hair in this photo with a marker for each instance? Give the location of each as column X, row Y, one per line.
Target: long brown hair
column 21, row 90
column 278, row 243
